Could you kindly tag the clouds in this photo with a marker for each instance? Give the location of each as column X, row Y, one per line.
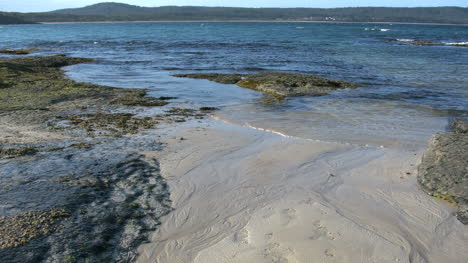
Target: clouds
column 48, row 5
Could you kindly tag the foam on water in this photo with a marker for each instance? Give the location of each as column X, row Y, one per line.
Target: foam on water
column 455, row 43
column 405, row 39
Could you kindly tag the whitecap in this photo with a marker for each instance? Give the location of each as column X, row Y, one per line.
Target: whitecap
column 384, row 29
column 405, row 40
column 455, row 43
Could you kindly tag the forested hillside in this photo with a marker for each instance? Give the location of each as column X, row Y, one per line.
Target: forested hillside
column 124, row 12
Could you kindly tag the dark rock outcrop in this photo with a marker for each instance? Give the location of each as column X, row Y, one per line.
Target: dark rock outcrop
column 216, row 77
column 460, row 125
column 278, row 84
column 443, row 172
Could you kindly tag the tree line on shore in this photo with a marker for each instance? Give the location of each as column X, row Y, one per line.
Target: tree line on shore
column 124, row 12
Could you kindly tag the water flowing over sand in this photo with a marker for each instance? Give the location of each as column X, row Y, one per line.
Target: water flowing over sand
column 244, row 195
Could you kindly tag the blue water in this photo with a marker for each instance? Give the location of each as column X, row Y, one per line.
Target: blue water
column 409, row 92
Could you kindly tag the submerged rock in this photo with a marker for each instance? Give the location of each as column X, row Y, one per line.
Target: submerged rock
column 278, row 84
column 444, row 168
column 17, row 51
column 285, row 84
column 216, row 77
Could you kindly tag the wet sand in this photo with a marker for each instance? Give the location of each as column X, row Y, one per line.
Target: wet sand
column 243, row 195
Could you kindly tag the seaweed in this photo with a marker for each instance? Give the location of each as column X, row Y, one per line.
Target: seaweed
column 17, row 51
column 16, row 152
column 22, row 228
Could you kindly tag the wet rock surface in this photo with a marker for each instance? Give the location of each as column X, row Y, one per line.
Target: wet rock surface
column 17, row 51
column 91, row 195
column 216, row 77
column 443, row 172
column 278, row 84
column 24, row 227
column 38, row 83
column 110, row 197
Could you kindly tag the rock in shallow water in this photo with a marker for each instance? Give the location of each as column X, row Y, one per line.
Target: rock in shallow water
column 460, row 125
column 279, row 84
column 444, row 168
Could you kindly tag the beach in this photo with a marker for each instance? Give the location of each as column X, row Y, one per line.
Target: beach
column 242, row 195
column 232, row 142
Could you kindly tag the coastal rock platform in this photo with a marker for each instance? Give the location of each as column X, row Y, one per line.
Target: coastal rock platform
column 444, row 168
column 277, row 84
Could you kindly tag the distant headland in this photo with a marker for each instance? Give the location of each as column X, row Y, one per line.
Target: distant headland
column 124, row 12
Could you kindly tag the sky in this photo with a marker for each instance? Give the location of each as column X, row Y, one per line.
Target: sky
column 49, row 5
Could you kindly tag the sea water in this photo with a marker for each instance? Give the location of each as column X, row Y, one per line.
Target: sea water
column 407, row 92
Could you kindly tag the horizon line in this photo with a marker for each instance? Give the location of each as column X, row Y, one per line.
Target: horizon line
column 297, row 7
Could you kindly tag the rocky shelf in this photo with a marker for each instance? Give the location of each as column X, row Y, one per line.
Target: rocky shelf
column 443, row 172
column 278, row 84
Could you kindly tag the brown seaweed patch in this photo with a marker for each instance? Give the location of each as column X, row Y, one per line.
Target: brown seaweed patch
column 138, row 98
column 181, row 114
column 116, row 124
column 16, row 152
column 33, row 83
column 216, row 77
column 22, row 228
column 82, row 145
column 17, row 51
column 277, row 83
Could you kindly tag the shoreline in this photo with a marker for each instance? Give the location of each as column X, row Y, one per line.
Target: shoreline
column 206, row 190
column 247, row 195
column 248, row 21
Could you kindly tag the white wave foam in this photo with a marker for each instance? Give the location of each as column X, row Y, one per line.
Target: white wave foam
column 247, row 125
column 455, row 43
column 377, row 29
column 405, row 39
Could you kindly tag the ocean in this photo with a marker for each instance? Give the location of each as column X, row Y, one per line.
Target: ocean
column 407, row 92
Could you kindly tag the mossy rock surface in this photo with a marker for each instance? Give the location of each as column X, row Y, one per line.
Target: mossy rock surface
column 278, row 84
column 110, row 124
column 17, row 51
column 15, row 152
column 22, row 228
column 444, row 170
column 36, row 83
column 216, row 77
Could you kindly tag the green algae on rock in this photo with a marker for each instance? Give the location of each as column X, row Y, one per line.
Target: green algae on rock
column 444, row 168
column 278, row 84
column 114, row 195
column 22, row 228
column 137, row 97
column 216, row 77
column 17, row 151
column 17, row 51
column 115, row 124
column 37, row 83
